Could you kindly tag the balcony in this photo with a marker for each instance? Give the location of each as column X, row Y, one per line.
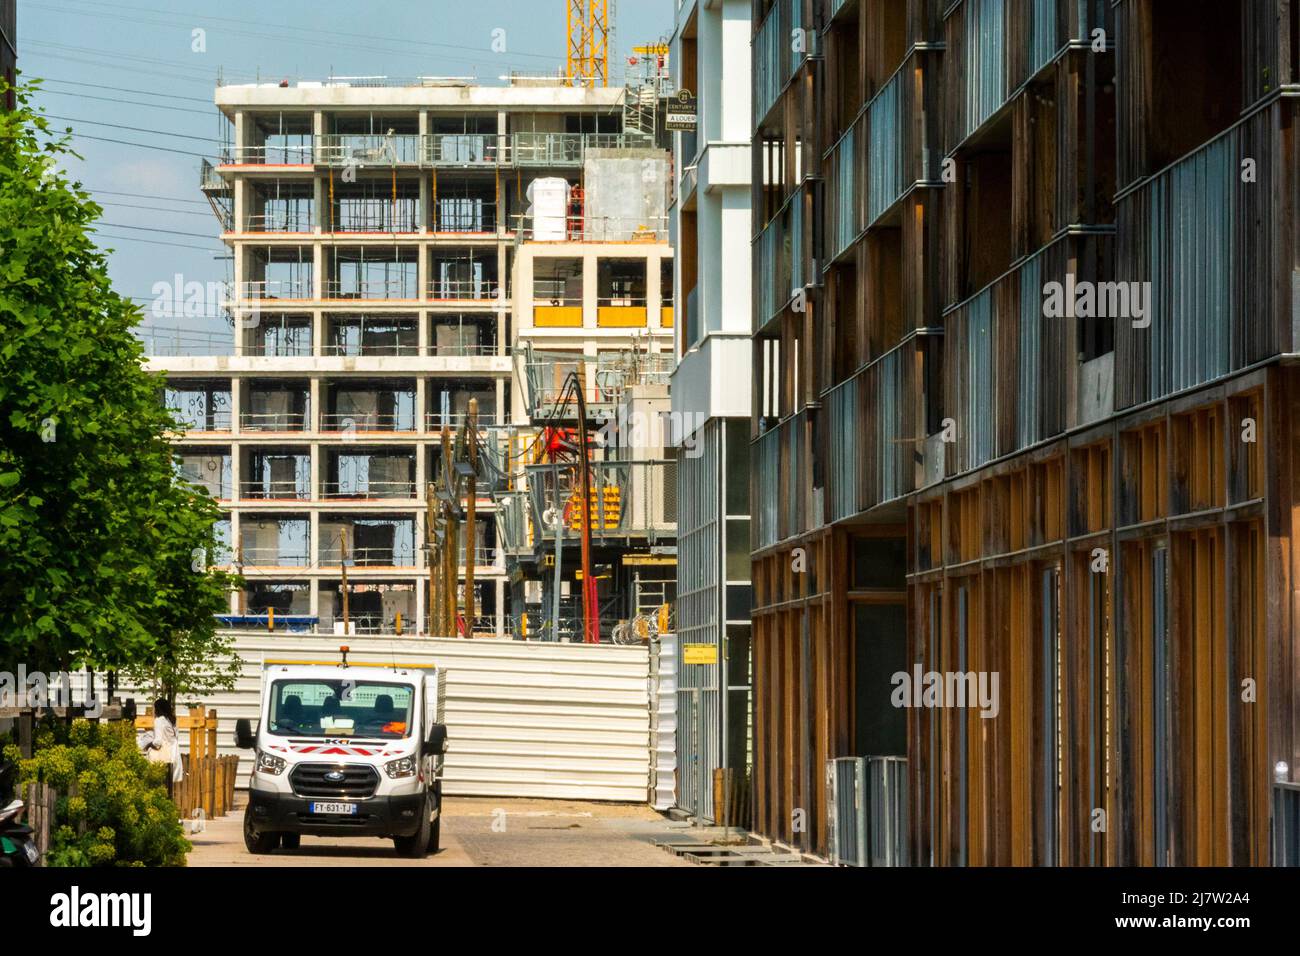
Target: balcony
column 565, row 149
column 287, row 154
column 275, row 541
column 779, row 260
column 872, row 423
column 774, row 60
column 200, row 406
column 361, row 475
column 1211, row 250
column 341, row 150
column 465, row 149
column 361, row 336
column 992, row 54
column 371, row 542
column 1005, row 361
column 175, row 342
column 356, row 407
column 276, row 475
column 277, row 408
column 780, row 466
column 209, row 470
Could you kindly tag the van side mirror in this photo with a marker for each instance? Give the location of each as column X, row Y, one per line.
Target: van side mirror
column 436, row 742
column 245, row 739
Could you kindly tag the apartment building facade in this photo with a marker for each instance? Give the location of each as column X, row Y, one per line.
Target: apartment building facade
column 1023, row 330
column 379, row 232
column 711, row 390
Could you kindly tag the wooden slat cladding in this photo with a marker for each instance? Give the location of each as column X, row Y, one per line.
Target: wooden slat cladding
column 1134, row 656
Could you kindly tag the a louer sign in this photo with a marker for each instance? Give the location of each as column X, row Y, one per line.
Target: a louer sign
column 679, row 113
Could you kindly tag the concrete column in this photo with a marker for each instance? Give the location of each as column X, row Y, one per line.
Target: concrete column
column 653, row 293
column 236, row 403
column 590, row 277
column 313, row 560
column 318, row 338
column 501, row 600
column 421, row 404
column 315, row 392
column 236, row 469
column 318, row 270
column 234, row 550
column 316, row 470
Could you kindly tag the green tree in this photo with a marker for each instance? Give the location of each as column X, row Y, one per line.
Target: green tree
column 105, row 553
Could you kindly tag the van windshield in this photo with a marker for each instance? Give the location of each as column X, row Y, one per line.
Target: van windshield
column 341, row 708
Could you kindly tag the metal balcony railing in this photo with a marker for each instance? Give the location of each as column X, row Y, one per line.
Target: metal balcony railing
column 297, row 289
column 216, row 421
column 372, row 289
column 284, row 220
column 465, row 149
column 365, row 490
column 270, row 490
column 275, row 421
column 465, row 290
column 281, row 343
column 364, row 149
column 591, row 229
column 376, row 215
column 566, row 149
column 345, row 422
column 274, row 558
column 368, row 557
column 163, row 342
column 268, row 156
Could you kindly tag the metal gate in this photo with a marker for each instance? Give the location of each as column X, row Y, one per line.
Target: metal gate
column 700, row 733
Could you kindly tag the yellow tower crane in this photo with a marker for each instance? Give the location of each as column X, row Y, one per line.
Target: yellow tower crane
column 587, row 62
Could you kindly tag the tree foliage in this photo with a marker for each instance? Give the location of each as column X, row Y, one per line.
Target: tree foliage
column 112, row 808
column 104, row 552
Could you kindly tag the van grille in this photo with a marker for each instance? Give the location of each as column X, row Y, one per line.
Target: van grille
column 309, row 780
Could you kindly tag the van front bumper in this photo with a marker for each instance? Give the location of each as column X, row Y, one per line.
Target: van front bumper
column 381, row 816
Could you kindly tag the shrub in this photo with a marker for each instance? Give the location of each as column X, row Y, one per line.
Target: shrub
column 112, row 808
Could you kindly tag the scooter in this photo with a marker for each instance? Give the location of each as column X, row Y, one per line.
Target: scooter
column 16, row 846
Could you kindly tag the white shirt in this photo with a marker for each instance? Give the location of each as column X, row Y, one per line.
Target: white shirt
column 163, row 745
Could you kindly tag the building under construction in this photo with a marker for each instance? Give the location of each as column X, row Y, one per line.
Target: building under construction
column 1025, row 411
column 404, row 252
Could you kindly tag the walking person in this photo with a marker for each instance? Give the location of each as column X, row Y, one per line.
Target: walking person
column 163, row 744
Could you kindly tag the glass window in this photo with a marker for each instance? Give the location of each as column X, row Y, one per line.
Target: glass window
column 338, row 708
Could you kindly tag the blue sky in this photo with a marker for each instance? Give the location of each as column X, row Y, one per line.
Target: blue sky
column 132, row 69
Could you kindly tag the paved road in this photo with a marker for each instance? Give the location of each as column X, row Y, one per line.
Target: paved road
column 475, row 832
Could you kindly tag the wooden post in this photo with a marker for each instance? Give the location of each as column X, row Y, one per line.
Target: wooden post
column 434, row 556
column 471, row 532
column 447, row 613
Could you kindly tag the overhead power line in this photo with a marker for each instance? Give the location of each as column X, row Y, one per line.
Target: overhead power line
column 123, row 142
column 133, row 129
column 124, row 89
column 113, row 99
column 152, row 242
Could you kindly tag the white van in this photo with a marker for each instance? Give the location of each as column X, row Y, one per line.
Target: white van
column 346, row 750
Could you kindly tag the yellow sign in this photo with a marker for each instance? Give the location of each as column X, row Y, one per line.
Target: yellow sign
column 699, row 653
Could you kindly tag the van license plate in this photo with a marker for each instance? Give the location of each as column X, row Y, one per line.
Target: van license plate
column 345, row 808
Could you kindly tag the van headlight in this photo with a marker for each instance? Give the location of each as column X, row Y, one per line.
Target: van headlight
column 269, row 763
column 401, row 767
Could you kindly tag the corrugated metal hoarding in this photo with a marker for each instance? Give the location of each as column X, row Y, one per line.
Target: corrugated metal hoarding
column 524, row 719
